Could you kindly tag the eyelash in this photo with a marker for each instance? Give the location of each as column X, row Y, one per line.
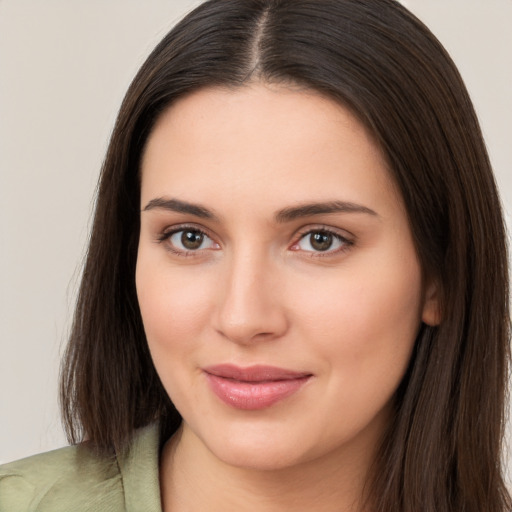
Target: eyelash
column 346, row 243
column 167, row 234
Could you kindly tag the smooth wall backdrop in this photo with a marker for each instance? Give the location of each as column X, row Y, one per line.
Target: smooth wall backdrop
column 64, row 67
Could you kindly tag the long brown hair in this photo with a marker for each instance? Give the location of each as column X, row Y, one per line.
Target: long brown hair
column 442, row 452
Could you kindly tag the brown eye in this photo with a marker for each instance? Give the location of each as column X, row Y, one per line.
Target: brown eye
column 192, row 240
column 321, row 241
column 189, row 240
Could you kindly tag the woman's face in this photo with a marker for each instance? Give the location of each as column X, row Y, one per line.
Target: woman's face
column 277, row 279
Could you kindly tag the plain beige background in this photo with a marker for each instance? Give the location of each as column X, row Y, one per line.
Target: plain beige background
column 64, row 67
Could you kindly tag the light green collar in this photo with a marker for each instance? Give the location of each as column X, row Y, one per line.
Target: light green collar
column 139, row 467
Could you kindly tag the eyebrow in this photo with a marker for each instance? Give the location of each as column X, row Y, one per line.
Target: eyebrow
column 175, row 205
column 309, row 209
column 285, row 215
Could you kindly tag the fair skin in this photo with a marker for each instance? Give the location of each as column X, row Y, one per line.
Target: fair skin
column 233, row 271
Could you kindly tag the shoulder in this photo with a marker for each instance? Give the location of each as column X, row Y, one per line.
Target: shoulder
column 75, row 478
column 54, row 480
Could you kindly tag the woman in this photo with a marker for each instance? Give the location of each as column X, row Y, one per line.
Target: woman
column 295, row 294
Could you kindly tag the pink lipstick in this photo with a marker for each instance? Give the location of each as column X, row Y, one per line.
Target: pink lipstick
column 254, row 387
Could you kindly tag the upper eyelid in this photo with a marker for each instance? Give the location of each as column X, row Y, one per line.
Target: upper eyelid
column 170, row 230
column 342, row 233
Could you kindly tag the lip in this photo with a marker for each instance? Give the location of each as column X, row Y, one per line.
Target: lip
column 254, row 387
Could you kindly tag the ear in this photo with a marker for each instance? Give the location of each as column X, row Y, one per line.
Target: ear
column 431, row 313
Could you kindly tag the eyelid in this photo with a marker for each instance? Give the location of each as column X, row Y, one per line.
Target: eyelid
column 346, row 238
column 165, row 235
column 343, row 236
column 170, row 230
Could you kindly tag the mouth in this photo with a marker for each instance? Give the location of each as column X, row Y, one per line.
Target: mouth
column 254, row 387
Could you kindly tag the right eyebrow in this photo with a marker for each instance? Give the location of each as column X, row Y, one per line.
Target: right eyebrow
column 175, row 205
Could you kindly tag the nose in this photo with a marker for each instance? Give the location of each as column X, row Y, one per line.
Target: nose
column 250, row 306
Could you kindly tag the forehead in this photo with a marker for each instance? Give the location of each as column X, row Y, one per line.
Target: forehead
column 267, row 142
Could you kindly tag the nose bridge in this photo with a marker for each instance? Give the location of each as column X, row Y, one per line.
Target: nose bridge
column 249, row 306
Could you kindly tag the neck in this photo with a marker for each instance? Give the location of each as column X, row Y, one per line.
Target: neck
column 192, row 478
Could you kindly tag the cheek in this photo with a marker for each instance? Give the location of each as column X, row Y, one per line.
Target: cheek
column 365, row 320
column 173, row 305
column 363, row 330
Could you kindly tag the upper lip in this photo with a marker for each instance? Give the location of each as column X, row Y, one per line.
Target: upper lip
column 256, row 373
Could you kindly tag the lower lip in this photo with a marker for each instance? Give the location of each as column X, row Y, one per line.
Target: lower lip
column 254, row 395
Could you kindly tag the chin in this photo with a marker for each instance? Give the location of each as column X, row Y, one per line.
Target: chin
column 262, row 447
column 259, row 458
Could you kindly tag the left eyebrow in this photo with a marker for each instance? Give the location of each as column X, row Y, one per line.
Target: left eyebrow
column 308, row 209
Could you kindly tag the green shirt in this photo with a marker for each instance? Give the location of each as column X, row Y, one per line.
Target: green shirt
column 74, row 479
